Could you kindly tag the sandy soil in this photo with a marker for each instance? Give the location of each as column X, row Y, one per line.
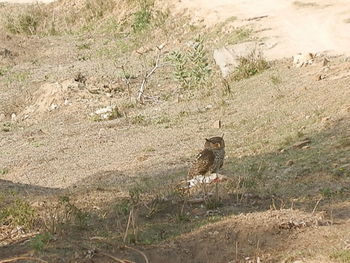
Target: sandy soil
column 289, row 26
column 25, row 1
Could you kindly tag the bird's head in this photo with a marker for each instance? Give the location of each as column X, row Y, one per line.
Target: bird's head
column 214, row 143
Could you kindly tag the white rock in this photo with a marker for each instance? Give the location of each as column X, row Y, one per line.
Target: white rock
column 104, row 110
column 303, row 59
column 53, row 107
column 13, row 117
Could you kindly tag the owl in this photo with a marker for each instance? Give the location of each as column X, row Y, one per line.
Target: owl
column 211, row 159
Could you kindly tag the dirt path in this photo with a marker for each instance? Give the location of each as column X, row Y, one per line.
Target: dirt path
column 25, row 1
column 290, row 26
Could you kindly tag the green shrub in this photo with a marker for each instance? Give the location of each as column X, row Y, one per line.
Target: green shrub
column 192, row 68
column 142, row 19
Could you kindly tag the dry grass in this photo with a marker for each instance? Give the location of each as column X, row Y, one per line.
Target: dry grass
column 249, row 66
column 104, row 170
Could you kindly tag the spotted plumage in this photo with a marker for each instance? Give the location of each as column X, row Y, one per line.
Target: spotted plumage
column 209, row 160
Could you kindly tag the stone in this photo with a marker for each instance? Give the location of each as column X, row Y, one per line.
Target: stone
column 217, row 124
column 303, row 59
column 2, row 117
column 13, row 117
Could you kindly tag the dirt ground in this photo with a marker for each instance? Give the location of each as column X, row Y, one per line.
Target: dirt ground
column 85, row 177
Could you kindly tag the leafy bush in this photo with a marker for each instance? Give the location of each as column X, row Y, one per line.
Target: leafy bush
column 192, row 68
column 142, row 19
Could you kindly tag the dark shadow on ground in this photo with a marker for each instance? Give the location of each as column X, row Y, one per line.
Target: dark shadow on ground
column 315, row 176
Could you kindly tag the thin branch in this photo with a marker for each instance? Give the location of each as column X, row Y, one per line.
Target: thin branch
column 127, row 226
column 148, row 75
column 114, row 258
column 139, row 251
column 314, row 210
column 22, row 258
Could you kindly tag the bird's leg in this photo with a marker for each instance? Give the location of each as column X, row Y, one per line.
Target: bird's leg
column 205, row 189
column 216, row 188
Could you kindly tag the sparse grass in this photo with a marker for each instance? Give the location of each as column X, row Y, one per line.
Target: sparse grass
column 83, row 46
column 140, row 120
column 40, row 241
column 18, row 212
column 4, row 171
column 142, row 19
column 276, row 80
column 341, row 256
column 26, row 22
column 249, row 66
column 37, row 19
column 238, row 35
column 95, row 9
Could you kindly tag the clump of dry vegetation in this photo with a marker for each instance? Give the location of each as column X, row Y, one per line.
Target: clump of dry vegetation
column 249, row 66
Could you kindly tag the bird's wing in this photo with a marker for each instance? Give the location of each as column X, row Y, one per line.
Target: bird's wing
column 205, row 159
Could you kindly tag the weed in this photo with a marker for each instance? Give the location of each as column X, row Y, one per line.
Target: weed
column 142, row 18
column 83, row 46
column 239, row 35
column 212, row 204
column 4, row 171
column 18, row 213
column 249, row 66
column 162, row 120
column 76, row 215
column 123, row 208
column 327, row 192
column 40, row 241
column 275, row 80
column 139, row 119
column 96, row 9
column 192, row 68
column 341, row 255
column 27, row 22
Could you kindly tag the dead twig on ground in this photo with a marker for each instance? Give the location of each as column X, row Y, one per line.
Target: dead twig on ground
column 114, row 258
column 127, row 226
column 140, row 96
column 22, row 258
column 139, row 251
column 318, row 201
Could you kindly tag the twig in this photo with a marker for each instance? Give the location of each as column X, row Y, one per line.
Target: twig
column 314, row 210
column 256, row 18
column 127, row 226
column 148, row 75
column 22, row 258
column 139, row 251
column 236, row 251
column 114, row 258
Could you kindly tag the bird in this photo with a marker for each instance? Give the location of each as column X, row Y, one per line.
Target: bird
column 210, row 159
